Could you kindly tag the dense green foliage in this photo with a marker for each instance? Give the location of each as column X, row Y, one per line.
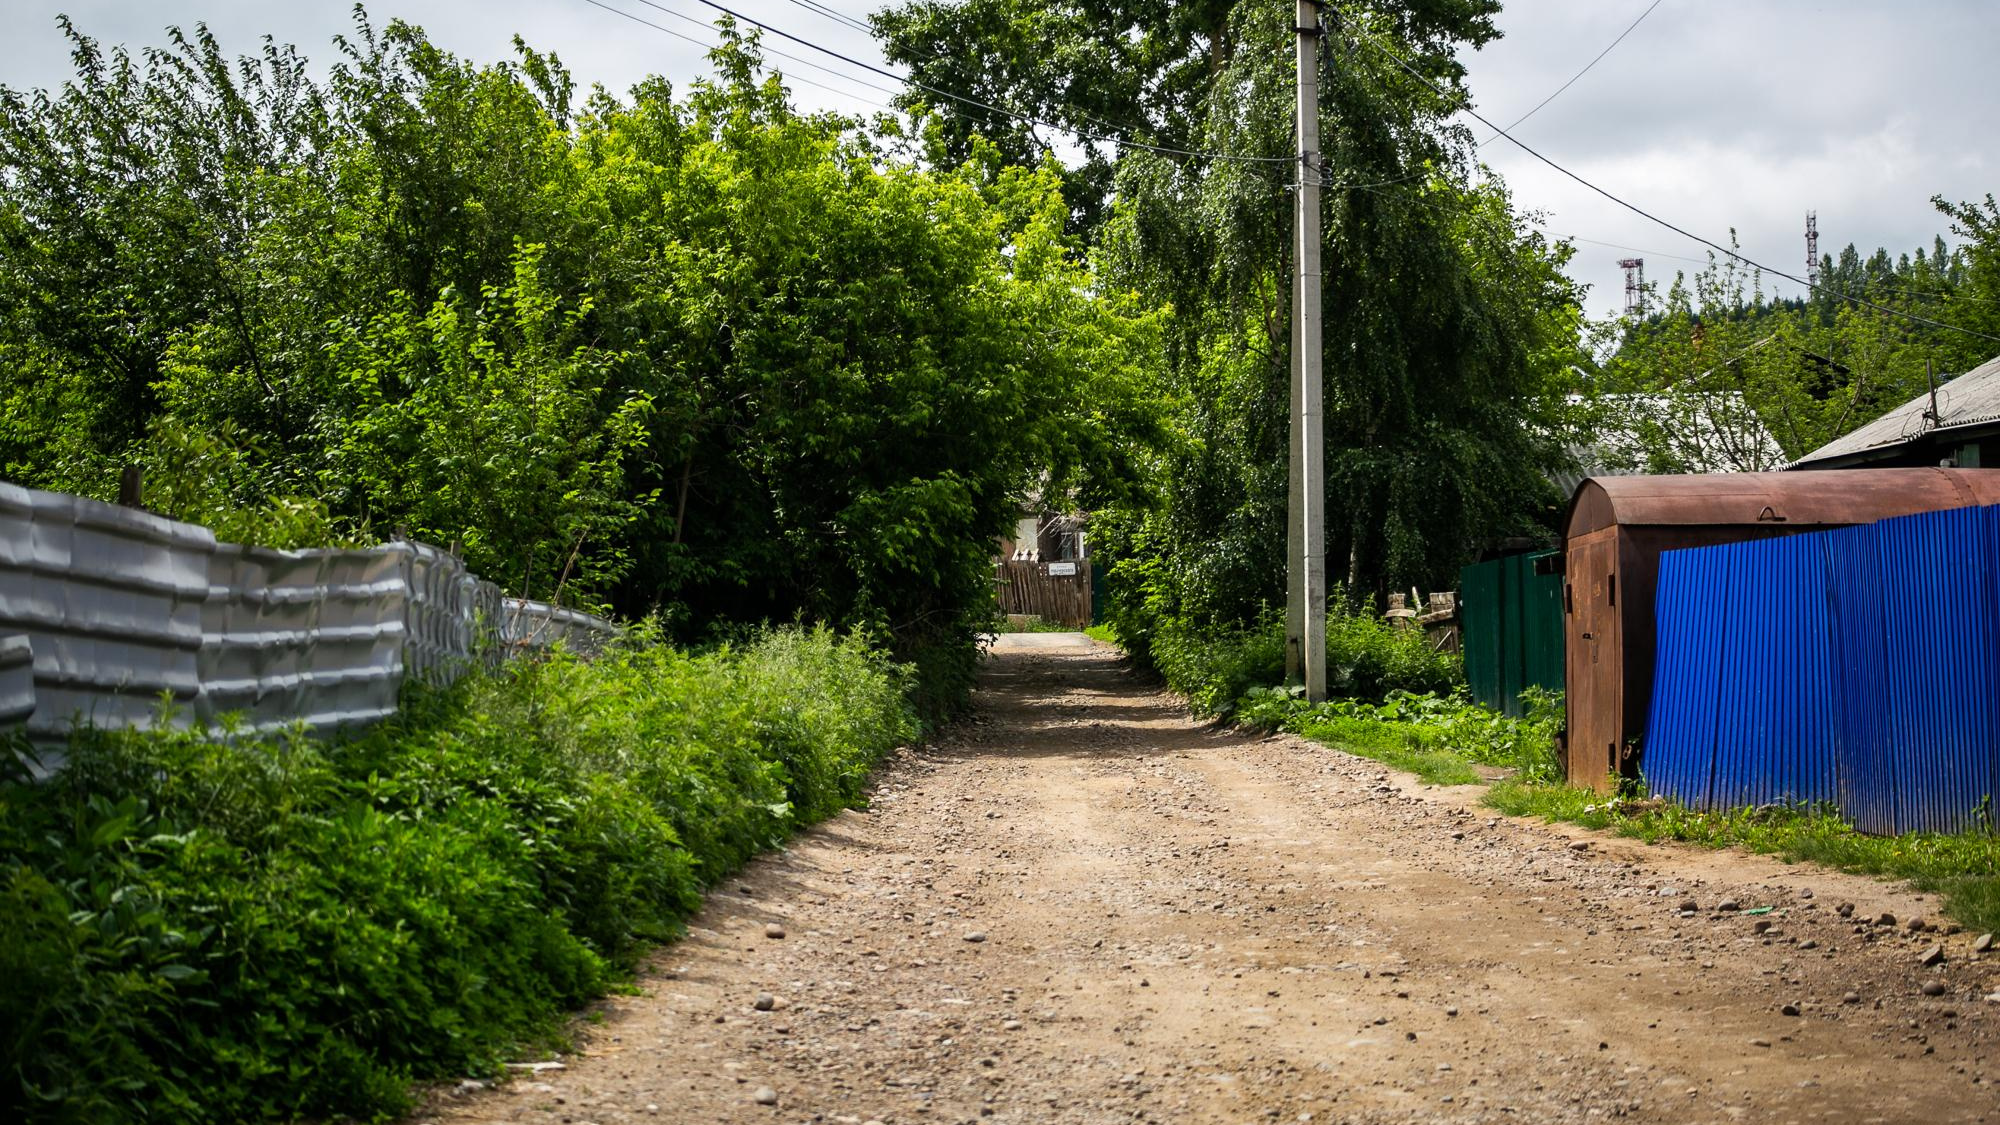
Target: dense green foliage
column 1449, row 328
column 257, row 929
column 1367, row 659
column 692, row 354
column 1436, row 736
column 1723, row 364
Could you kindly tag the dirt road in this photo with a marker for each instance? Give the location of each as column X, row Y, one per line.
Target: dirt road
column 1086, row 907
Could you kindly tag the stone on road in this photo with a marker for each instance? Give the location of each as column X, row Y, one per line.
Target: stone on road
column 1188, row 924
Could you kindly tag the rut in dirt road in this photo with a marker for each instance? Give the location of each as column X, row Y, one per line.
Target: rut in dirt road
column 1083, row 906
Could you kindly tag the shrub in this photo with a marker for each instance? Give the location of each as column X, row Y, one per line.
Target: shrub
column 199, row 929
column 1367, row 658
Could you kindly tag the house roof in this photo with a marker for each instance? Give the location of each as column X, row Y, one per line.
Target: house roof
column 1972, row 399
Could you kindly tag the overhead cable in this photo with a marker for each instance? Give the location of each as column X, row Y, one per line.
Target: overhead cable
column 1375, row 42
column 1579, row 74
column 1165, row 150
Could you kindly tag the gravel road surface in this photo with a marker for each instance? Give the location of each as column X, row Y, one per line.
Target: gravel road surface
column 1084, row 906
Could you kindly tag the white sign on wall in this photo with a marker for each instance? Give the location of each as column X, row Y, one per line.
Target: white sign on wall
column 1060, row 569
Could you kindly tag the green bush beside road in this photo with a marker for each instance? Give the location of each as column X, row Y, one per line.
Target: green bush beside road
column 264, row 928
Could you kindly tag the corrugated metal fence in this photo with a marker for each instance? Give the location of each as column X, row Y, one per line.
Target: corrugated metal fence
column 1857, row 667
column 105, row 610
column 1511, row 630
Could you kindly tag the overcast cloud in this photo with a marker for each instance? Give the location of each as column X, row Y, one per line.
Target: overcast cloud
column 1711, row 114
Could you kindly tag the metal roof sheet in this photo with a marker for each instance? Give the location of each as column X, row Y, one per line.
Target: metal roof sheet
column 1824, row 498
column 1969, row 400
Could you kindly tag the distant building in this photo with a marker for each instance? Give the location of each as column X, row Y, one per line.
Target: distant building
column 1958, row 426
column 1672, row 432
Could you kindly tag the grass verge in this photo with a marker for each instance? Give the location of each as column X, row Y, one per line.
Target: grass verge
column 202, row 929
column 1440, row 738
column 1962, row 869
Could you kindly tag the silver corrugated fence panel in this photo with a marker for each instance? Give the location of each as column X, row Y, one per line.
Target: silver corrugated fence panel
column 106, row 610
column 17, row 678
column 527, row 624
column 110, row 600
column 304, row 636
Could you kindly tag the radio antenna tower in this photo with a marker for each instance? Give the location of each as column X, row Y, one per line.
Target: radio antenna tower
column 1812, row 249
column 1635, row 285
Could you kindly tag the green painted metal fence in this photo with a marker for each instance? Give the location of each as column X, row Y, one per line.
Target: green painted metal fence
column 1511, row 626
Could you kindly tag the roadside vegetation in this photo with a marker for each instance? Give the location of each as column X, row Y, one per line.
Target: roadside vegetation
column 1443, row 737
column 197, row 928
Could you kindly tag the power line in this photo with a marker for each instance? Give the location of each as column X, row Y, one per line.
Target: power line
column 1581, row 73
column 838, row 17
column 1375, row 42
column 1165, row 150
column 843, row 76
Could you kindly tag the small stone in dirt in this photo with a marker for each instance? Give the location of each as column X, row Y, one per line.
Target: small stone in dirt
column 652, row 1107
column 1845, row 910
column 1728, row 904
column 1933, row 988
column 1918, row 925
column 766, row 1002
column 1931, row 955
column 773, row 930
column 765, row 1096
column 975, row 936
column 745, row 891
column 1789, row 1010
column 1983, row 943
column 1760, row 925
column 1451, row 1011
column 1579, row 845
column 1760, row 1042
column 1011, row 1025
column 1885, row 919
column 1458, row 835
column 1851, row 998
column 1690, row 904
column 1805, row 892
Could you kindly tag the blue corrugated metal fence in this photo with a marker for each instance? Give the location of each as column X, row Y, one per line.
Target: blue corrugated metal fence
column 1857, row 667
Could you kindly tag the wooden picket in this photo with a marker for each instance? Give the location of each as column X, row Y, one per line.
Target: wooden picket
column 1028, row 587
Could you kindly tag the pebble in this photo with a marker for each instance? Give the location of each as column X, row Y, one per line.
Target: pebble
column 1760, row 925
column 1011, row 1025
column 1580, row 846
column 1917, row 925
column 1885, row 919
column 975, row 936
column 1983, row 943
column 1727, row 904
column 765, row 1096
column 1789, row 1010
column 1690, row 904
column 773, row 930
column 1845, row 910
column 1931, row 955
column 1760, row 1042
column 766, row 1002
column 1933, row 988
column 1851, row 998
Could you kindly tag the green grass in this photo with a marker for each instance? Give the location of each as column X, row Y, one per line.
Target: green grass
column 1102, row 633
column 1391, row 746
column 1440, row 738
column 1032, row 625
column 272, row 928
column 1963, row 869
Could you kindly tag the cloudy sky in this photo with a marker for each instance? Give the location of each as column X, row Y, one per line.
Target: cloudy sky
column 1712, row 113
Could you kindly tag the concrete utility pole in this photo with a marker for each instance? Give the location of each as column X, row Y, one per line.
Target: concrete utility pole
column 1305, row 604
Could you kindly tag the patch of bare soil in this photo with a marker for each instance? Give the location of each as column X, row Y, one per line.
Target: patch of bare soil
column 1086, row 907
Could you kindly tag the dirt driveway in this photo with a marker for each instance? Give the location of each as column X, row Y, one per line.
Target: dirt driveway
column 1085, row 907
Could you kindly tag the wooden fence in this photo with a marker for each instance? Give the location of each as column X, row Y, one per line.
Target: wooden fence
column 1029, row 587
